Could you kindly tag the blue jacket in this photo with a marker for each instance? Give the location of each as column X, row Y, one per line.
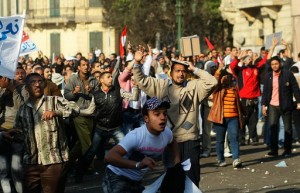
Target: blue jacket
column 288, row 87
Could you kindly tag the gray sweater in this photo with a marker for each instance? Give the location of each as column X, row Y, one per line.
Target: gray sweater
column 185, row 100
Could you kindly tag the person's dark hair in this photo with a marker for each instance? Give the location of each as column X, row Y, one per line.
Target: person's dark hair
column 299, row 55
column 68, row 66
column 173, row 65
column 94, row 63
column 96, row 72
column 114, row 54
column 83, row 59
column 282, row 51
column 294, row 69
column 27, row 80
column 233, row 47
column 275, row 58
column 20, row 68
column 103, row 73
column 165, row 66
column 263, row 48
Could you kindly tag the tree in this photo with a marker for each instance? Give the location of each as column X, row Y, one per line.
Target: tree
column 145, row 18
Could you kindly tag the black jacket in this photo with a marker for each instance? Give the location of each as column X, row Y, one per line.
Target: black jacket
column 108, row 108
column 288, row 87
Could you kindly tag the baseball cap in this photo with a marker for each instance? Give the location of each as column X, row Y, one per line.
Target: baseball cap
column 153, row 104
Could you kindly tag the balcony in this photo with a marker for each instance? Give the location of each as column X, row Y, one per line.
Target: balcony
column 50, row 16
column 64, row 16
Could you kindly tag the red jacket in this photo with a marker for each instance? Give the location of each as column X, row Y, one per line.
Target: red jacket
column 248, row 78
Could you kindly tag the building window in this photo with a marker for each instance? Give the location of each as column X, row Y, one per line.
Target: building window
column 95, row 3
column 55, row 44
column 96, row 40
column 54, row 8
column 8, row 7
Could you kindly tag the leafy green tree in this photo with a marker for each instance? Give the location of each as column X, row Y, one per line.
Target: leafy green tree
column 145, row 18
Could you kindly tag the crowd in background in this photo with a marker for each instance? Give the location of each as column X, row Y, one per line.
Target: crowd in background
column 110, row 91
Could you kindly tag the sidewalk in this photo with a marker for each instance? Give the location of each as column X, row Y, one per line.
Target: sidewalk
column 258, row 173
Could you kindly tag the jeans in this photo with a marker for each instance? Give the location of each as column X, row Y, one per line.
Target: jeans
column 11, row 164
column 131, row 120
column 113, row 183
column 260, row 115
column 100, row 138
column 230, row 125
column 274, row 114
column 281, row 132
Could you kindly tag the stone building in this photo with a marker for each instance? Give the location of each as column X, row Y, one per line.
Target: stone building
column 67, row 26
column 253, row 20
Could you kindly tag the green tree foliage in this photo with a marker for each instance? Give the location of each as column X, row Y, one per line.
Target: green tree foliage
column 145, row 18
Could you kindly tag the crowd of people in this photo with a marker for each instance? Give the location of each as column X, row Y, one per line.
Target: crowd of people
column 56, row 116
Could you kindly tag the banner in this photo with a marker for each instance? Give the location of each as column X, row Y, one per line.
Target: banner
column 122, row 42
column 27, row 45
column 11, row 29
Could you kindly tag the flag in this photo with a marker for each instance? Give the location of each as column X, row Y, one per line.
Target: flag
column 209, row 44
column 27, row 45
column 122, row 42
column 11, row 29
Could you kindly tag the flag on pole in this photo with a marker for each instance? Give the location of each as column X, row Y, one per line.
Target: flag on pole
column 27, row 45
column 122, row 42
column 209, row 44
column 11, row 29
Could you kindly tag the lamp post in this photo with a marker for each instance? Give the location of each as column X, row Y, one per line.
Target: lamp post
column 179, row 21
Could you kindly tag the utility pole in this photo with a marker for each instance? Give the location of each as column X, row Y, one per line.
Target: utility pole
column 179, row 21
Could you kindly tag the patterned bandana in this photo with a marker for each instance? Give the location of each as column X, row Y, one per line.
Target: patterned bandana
column 154, row 103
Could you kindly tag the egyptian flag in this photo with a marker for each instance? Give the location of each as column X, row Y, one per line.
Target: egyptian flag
column 122, row 42
column 209, row 44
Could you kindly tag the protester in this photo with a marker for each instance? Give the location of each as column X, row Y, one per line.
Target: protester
column 226, row 115
column 279, row 88
column 45, row 147
column 185, row 98
column 138, row 151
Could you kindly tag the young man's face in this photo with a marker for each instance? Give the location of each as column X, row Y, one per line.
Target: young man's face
column 178, row 74
column 47, row 74
column 97, row 76
column 83, row 67
column 4, row 82
column 97, row 67
column 106, row 79
column 20, row 76
column 35, row 87
column 156, row 120
column 275, row 65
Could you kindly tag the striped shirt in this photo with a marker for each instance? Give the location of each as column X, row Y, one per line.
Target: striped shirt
column 45, row 141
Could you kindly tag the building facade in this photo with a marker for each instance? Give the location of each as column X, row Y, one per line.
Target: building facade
column 253, row 20
column 64, row 26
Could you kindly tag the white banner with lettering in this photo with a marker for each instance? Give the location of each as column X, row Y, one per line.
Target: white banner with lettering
column 27, row 45
column 11, row 29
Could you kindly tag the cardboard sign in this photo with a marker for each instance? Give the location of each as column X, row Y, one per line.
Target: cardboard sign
column 190, row 46
column 269, row 38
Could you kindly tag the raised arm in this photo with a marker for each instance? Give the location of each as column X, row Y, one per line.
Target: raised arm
column 151, row 86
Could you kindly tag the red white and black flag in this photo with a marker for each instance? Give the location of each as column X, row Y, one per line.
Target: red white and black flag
column 122, row 42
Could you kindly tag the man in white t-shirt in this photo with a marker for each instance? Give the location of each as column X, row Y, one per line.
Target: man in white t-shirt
column 136, row 153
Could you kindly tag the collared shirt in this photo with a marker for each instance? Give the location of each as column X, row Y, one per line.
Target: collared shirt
column 275, row 90
column 45, row 141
